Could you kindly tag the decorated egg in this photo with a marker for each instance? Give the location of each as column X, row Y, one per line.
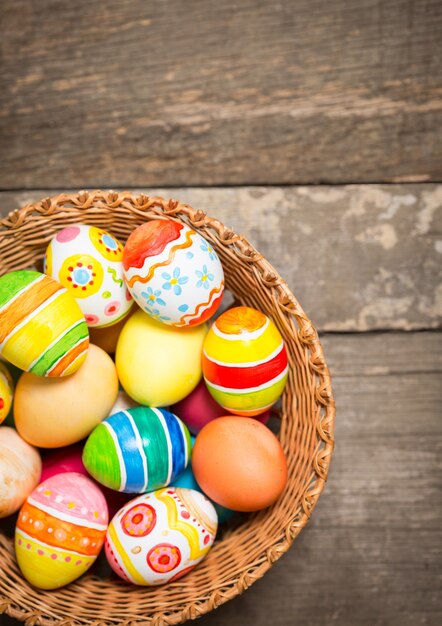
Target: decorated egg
column 6, row 392
column 20, row 470
column 173, row 273
column 51, row 413
column 137, row 450
column 244, row 361
column 199, row 408
column 239, row 463
column 157, row 364
column 42, row 329
column 60, row 530
column 161, row 536
column 88, row 262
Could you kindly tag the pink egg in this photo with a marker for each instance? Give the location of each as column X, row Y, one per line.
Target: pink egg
column 69, row 459
column 199, row 408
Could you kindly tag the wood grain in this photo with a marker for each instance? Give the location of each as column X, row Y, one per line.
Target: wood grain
column 358, row 257
column 214, row 93
column 371, row 553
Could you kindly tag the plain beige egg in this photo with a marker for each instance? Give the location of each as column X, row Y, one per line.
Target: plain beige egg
column 20, row 470
column 55, row 412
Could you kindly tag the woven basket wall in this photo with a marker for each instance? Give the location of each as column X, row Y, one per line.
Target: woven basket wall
column 244, row 554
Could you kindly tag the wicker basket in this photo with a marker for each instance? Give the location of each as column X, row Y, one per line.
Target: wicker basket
column 245, row 553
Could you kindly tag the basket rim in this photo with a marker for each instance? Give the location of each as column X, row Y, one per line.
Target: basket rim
column 140, row 203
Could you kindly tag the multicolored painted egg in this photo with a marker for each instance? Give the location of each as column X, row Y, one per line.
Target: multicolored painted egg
column 88, row 262
column 245, row 362
column 137, row 450
column 52, row 413
column 6, row 392
column 157, row 364
column 161, row 536
column 42, row 328
column 60, row 530
column 20, row 470
column 173, row 273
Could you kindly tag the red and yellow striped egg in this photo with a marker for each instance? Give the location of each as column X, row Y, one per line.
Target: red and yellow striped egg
column 42, row 329
column 245, row 363
column 60, row 530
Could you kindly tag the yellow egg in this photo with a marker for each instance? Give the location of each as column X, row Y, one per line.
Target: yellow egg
column 20, row 470
column 52, row 413
column 159, row 364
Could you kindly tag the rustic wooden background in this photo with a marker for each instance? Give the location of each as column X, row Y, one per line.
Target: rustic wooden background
column 314, row 128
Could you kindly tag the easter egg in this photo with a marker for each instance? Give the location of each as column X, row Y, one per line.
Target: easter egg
column 88, row 262
column 137, row 450
column 244, row 361
column 42, row 329
column 159, row 537
column 173, row 273
column 60, row 530
column 239, row 463
column 20, row 470
column 51, row 413
column 158, row 365
column 199, row 408
column 6, row 392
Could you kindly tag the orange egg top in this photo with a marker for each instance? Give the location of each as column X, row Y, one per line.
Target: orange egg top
column 239, row 463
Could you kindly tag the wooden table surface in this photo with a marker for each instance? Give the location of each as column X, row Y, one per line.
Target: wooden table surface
column 314, row 129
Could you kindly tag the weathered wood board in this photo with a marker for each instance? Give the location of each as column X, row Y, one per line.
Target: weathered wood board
column 213, row 93
column 372, row 551
column 358, row 257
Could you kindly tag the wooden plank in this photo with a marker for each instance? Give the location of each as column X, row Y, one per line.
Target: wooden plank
column 371, row 553
column 358, row 257
column 209, row 93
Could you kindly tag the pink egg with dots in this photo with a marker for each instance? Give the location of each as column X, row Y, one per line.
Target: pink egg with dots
column 60, row 530
column 199, row 408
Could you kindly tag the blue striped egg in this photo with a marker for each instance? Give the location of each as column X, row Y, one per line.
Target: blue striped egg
column 138, row 450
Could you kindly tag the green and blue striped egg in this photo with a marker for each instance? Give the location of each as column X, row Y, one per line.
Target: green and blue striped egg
column 138, row 450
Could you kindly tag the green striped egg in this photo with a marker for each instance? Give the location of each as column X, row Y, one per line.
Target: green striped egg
column 138, row 450
column 42, row 329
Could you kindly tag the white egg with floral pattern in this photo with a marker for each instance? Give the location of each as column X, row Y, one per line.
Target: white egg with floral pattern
column 87, row 261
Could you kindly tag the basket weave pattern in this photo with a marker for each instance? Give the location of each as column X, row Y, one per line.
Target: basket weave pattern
column 307, row 419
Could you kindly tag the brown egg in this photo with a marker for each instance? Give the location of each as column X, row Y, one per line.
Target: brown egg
column 239, row 463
